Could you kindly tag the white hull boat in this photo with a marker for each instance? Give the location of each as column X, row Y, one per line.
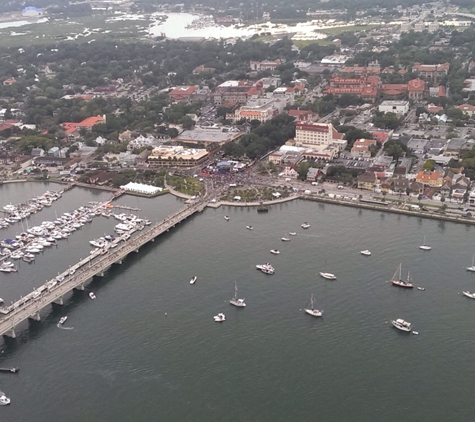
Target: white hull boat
column 425, row 247
column 402, row 325
column 310, row 309
column 63, row 320
column 92, row 295
column 275, row 251
column 472, row 268
column 193, row 280
column 226, row 218
column 285, row 239
column 366, row 252
column 305, row 225
column 469, row 294
column 220, row 317
column 292, row 234
column 4, row 400
column 328, row 276
column 235, row 301
column 249, row 227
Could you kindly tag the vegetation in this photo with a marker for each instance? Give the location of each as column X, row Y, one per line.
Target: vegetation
column 186, row 185
column 256, row 194
column 396, row 149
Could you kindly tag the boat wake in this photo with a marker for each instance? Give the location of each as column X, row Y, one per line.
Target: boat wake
column 64, row 328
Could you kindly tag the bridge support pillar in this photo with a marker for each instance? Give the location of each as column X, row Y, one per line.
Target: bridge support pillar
column 11, row 333
column 59, row 301
column 35, row 316
column 80, row 287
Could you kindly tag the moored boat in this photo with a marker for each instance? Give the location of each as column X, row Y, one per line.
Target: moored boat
column 266, row 268
column 220, row 317
column 305, row 225
column 193, row 279
column 328, row 276
column 285, row 239
column 310, row 309
column 398, row 281
column 275, row 251
column 235, row 301
column 226, row 218
column 402, row 325
column 366, row 252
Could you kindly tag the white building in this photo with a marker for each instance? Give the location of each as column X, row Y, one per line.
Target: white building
column 394, row 106
column 315, row 135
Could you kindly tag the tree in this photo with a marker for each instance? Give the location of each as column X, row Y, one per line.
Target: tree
column 429, row 165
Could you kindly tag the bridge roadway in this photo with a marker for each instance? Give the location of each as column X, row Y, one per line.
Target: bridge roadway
column 53, row 291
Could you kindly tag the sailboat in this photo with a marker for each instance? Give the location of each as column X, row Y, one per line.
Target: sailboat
column 311, row 310
column 328, row 276
column 398, row 281
column 472, row 268
column 425, row 247
column 235, row 301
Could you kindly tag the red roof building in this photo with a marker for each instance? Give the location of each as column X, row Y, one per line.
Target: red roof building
column 431, row 71
column 72, row 127
column 182, row 93
column 416, row 89
column 366, row 87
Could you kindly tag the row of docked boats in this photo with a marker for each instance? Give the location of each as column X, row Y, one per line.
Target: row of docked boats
column 19, row 212
column 129, row 223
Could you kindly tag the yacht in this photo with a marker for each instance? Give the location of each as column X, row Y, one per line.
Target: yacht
column 366, row 252
column 469, row 294
column 402, row 325
column 305, row 225
column 220, row 317
column 193, row 279
column 92, row 295
column 398, row 281
column 266, row 268
column 328, row 276
column 4, row 400
column 275, row 251
column 226, row 218
column 235, row 301
column 249, row 227
column 63, row 320
column 425, row 247
column 311, row 310
column 292, row 234
column 285, row 239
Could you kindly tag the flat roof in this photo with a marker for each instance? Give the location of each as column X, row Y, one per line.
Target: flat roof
column 205, row 135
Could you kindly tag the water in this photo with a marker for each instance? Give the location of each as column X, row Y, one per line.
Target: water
column 126, row 360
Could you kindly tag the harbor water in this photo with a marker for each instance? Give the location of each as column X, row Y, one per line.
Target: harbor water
column 148, row 349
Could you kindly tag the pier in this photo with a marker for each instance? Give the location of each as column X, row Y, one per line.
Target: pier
column 79, row 275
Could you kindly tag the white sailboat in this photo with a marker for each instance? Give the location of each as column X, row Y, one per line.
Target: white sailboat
column 310, row 309
column 398, row 281
column 469, row 293
column 425, row 247
column 328, row 276
column 472, row 268
column 235, row 301
column 193, row 279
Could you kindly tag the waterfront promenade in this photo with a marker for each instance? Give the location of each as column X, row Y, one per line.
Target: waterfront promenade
column 76, row 277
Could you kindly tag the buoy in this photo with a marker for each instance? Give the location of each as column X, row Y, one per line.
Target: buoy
column 166, row 314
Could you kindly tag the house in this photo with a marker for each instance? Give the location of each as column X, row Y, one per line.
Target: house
column 289, row 171
column 467, row 109
column 446, row 188
column 72, row 128
column 416, row 188
column 367, row 180
column 430, row 178
column 182, row 93
column 312, row 174
column 9, row 81
column 38, row 152
column 53, row 152
column 454, row 146
column 203, row 69
column 264, row 65
column 401, row 185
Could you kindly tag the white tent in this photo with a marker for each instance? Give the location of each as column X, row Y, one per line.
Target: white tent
column 141, row 188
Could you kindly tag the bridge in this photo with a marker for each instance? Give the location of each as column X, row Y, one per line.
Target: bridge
column 76, row 277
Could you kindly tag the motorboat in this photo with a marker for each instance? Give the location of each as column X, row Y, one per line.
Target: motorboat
column 220, row 317
column 266, row 268
column 285, row 239
column 275, row 251
column 292, row 234
column 310, row 309
column 328, row 276
column 305, row 225
column 421, row 288
column 249, row 227
column 402, row 325
column 226, row 218
column 398, row 281
column 92, row 295
column 366, row 252
column 63, row 320
column 469, row 294
column 193, row 279
column 4, row 400
column 235, row 301
column 60, row 278
column 425, row 247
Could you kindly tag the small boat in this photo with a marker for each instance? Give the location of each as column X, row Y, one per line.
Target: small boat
column 193, row 279
column 305, row 225
column 226, row 218
column 275, row 251
column 421, row 288
column 63, row 320
column 92, row 295
column 310, row 309
column 4, row 400
column 398, row 281
column 220, row 317
column 472, row 268
column 415, row 333
column 249, row 227
column 469, row 294
column 285, row 239
column 292, row 234
column 235, row 301
column 425, row 247
column 266, row 268
column 366, row 252
column 328, row 276
column 402, row 325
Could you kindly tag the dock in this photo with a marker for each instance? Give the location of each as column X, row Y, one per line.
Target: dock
column 53, row 291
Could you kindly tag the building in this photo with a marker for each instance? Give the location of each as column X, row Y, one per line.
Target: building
column 416, row 89
column 367, row 180
column 264, row 65
column 366, row 87
column 182, row 93
column 431, row 71
column 302, row 115
column 236, row 92
column 176, row 156
column 430, row 178
column 454, row 146
column 72, row 128
column 261, row 109
column 361, row 70
column 394, row 106
column 202, row 69
column 201, row 136
column 315, row 135
column 362, row 148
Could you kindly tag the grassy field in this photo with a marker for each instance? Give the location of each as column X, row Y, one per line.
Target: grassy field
column 354, row 28
column 59, row 30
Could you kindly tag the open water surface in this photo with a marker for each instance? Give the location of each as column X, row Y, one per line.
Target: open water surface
column 126, row 360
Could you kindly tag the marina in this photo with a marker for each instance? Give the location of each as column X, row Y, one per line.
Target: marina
column 163, row 333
